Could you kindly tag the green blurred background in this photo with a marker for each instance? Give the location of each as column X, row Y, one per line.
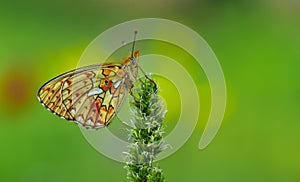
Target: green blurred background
column 256, row 42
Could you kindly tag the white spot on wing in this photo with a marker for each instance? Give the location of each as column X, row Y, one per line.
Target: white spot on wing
column 99, row 125
column 72, row 111
column 95, row 91
column 80, row 118
column 116, row 85
column 89, row 122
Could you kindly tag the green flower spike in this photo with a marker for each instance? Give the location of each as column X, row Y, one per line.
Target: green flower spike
column 146, row 134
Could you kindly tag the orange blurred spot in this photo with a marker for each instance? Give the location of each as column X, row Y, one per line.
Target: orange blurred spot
column 16, row 90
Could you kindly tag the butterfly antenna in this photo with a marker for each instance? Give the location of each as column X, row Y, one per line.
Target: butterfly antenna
column 134, row 38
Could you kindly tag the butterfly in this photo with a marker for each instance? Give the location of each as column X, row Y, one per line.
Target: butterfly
column 92, row 95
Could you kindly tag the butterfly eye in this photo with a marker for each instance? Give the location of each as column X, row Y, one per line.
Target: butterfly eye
column 133, row 60
column 106, row 82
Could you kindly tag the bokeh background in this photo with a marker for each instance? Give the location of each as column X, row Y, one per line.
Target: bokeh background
column 257, row 43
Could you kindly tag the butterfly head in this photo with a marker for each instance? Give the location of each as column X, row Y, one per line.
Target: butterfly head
column 133, row 58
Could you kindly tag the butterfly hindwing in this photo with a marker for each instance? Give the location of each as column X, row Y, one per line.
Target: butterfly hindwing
column 90, row 95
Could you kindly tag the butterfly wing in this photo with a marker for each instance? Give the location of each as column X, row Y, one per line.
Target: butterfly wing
column 90, row 96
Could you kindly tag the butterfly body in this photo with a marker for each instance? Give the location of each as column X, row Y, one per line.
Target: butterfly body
column 92, row 95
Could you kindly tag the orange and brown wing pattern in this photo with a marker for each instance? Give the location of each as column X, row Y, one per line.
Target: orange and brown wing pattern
column 89, row 96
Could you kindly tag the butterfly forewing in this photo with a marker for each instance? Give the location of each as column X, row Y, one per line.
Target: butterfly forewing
column 89, row 96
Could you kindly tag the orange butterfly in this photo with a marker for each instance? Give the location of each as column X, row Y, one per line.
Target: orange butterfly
column 92, row 95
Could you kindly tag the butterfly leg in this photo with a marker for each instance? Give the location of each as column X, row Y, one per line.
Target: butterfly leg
column 152, row 81
column 134, row 97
